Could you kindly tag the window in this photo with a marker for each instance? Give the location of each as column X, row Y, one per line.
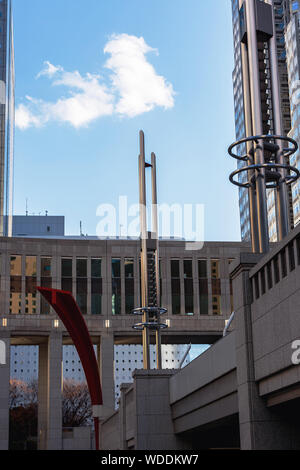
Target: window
column 81, row 284
column 263, row 281
column 216, row 287
column 276, row 269
column 66, row 274
column 283, row 263
column 96, row 286
column 30, row 285
column 269, row 275
column 175, row 287
column 15, row 284
column 188, row 287
column 116, row 286
column 129, row 286
column 46, row 281
column 291, row 256
column 203, row 286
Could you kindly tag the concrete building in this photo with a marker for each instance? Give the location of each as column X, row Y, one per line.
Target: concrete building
column 244, row 391
column 7, row 117
column 104, row 277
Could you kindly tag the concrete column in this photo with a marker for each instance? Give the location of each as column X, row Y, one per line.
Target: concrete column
column 4, row 388
column 106, row 365
column 50, row 393
column 154, row 423
column 260, row 427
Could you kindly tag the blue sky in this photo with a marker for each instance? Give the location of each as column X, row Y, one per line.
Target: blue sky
column 80, row 105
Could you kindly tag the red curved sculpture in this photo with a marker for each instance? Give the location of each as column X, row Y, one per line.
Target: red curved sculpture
column 71, row 316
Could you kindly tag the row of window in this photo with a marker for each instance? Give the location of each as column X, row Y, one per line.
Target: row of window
column 276, row 270
column 90, row 284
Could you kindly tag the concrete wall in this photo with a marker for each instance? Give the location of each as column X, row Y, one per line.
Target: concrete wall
column 206, row 390
column 77, row 438
column 275, row 316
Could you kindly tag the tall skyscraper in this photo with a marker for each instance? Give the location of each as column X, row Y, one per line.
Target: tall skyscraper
column 282, row 18
column 292, row 39
column 7, row 116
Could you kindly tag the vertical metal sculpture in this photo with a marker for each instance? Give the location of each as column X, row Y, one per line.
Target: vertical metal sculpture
column 267, row 151
column 150, row 282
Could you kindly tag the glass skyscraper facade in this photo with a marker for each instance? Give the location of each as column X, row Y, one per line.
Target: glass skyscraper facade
column 7, row 116
column 292, row 38
column 282, row 18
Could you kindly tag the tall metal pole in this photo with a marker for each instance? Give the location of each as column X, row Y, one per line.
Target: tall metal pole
column 249, row 131
column 143, row 224
column 155, row 236
column 281, row 192
column 257, row 126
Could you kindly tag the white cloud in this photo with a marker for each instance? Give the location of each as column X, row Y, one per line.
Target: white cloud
column 49, row 70
column 88, row 100
column 135, row 80
column 25, row 118
column 135, row 89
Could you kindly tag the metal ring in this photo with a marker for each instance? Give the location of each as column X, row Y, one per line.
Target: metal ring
column 141, row 310
column 268, row 166
column 150, row 325
column 287, row 152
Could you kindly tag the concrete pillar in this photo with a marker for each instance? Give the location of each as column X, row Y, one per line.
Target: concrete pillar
column 154, row 423
column 106, row 365
column 260, row 427
column 50, row 393
column 4, row 388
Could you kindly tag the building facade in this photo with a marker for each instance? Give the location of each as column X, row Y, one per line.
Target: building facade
column 292, row 37
column 7, row 117
column 282, row 18
column 104, row 277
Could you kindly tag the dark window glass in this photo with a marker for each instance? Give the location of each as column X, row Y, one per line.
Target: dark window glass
column 291, row 256
column 256, row 285
column 129, row 286
column 276, row 269
column 263, row 281
column 188, row 268
column 116, row 268
column 66, row 267
column 96, row 267
column 129, row 268
column 96, row 304
column 176, row 301
column 129, row 295
column 81, row 268
column 283, row 263
column 269, row 275
column 202, row 269
column 116, row 296
column 175, row 272
column 81, row 300
column 203, row 286
column 189, row 296
column 67, row 284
